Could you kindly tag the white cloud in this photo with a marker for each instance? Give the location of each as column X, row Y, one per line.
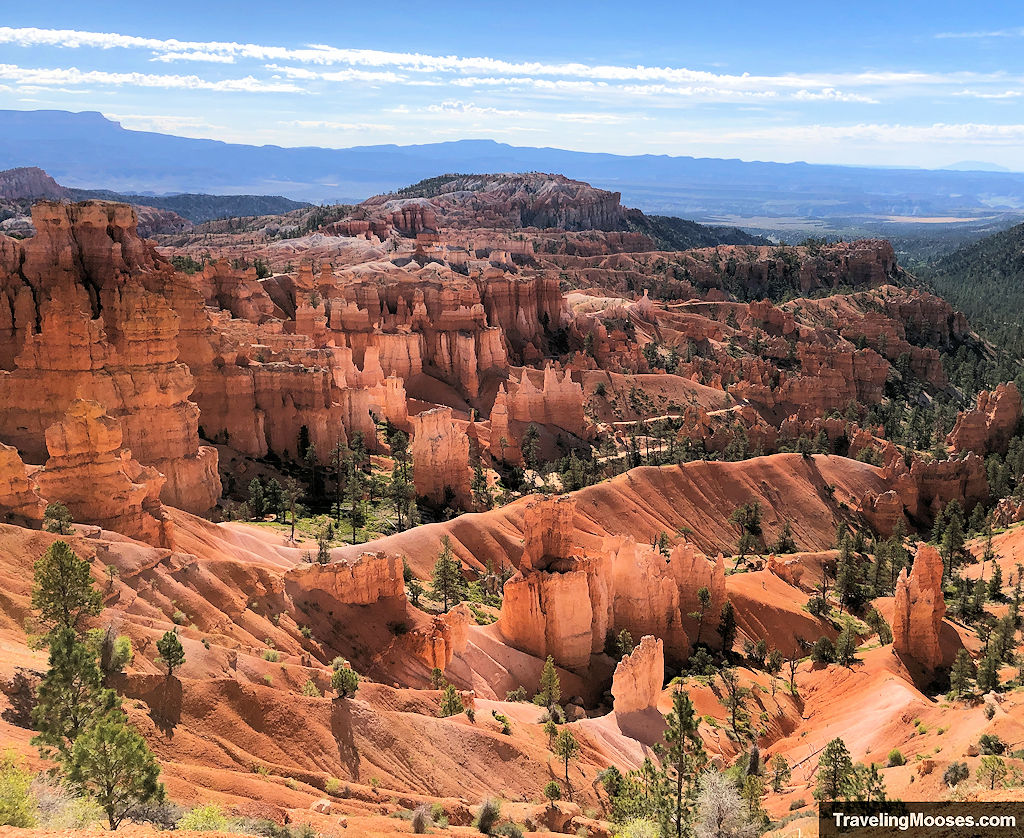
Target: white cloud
column 960, row 133
column 336, row 126
column 996, row 33
column 168, row 57
column 55, row 77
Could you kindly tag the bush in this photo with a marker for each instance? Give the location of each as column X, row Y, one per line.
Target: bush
column 17, row 805
column 271, row 655
column 799, row 803
column 179, row 618
column 518, row 694
column 490, row 811
column 639, row 828
column 422, row 819
column 345, row 682
column 991, row 744
column 956, row 773
column 332, row 786
column 896, row 758
column 209, row 818
column 311, row 689
column 509, row 830
column 990, row 711
column 553, row 791
column 59, row 810
column 823, row 651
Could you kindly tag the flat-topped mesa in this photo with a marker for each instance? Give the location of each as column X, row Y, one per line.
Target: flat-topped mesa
column 919, row 609
column 99, row 328
column 557, row 604
column 509, row 201
column 638, row 677
column 440, row 457
column 989, row 427
column 99, row 482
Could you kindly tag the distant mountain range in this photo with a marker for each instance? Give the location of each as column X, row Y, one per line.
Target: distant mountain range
column 87, row 150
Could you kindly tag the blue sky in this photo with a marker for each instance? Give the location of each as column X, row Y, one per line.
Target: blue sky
column 895, row 83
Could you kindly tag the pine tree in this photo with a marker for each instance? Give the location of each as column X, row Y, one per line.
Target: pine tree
column 846, row 645
column 451, row 702
column 63, row 591
column 961, row 674
column 57, row 519
column 111, row 763
column 550, row 691
column 988, row 671
column 683, row 763
column 566, row 747
column 780, row 772
column 69, row 697
column 727, row 629
column 703, row 604
column 448, row 584
column 172, row 655
column 835, row 769
column 257, row 501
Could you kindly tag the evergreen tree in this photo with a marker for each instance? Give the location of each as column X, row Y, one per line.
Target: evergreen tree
column 727, row 629
column 257, row 500
column 451, row 702
column 683, row 762
column 780, row 772
column 995, row 582
column 345, row 681
column 834, row 772
column 69, row 697
column 846, row 645
column 449, row 587
column 172, row 655
column 961, row 674
column 703, row 604
column 988, row 671
column 550, row 691
column 566, row 747
column 111, row 763
column 63, row 591
column 57, row 519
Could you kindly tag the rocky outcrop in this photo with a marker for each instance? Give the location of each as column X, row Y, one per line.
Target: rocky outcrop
column 444, row 638
column 440, row 457
column 989, row 427
column 99, row 482
column 559, row 602
column 20, row 502
column 85, row 322
column 371, row 578
column 883, row 511
column 30, row 182
column 557, row 402
column 919, row 609
column 638, row 677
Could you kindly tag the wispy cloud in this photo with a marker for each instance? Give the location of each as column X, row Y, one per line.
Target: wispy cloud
column 1016, row 32
column 57, row 77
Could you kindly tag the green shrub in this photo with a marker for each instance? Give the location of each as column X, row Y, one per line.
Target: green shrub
column 209, row 818
column 345, row 682
column 310, row 689
column 896, row 758
column 332, row 786
column 487, row 817
column 17, row 805
column 271, row 655
column 179, row 618
column 518, row 694
column 799, row 803
column 553, row 791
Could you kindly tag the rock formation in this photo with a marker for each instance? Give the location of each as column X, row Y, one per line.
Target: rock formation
column 988, row 428
column 19, row 499
column 558, row 603
column 638, row 677
column 440, row 457
column 371, row 578
column 99, row 482
column 919, row 609
column 98, row 330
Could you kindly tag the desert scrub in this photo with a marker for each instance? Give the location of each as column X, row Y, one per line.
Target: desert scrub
column 209, row 818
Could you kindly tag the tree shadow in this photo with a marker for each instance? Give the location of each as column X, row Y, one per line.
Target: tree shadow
column 165, row 706
column 341, row 727
column 21, row 695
